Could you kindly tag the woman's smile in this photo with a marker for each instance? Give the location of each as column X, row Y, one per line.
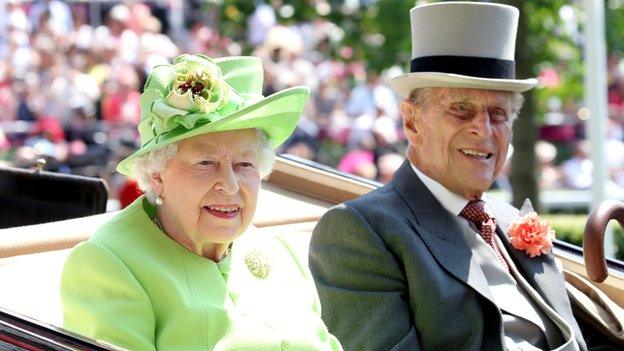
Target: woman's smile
column 223, row 211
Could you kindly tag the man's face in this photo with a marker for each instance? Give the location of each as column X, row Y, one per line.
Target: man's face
column 459, row 137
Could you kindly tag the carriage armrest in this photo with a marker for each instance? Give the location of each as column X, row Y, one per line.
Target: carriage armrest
column 49, row 236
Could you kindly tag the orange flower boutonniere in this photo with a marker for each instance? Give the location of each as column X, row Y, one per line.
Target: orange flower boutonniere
column 530, row 233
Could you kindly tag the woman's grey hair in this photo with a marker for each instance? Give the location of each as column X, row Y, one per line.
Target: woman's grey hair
column 154, row 162
column 420, row 96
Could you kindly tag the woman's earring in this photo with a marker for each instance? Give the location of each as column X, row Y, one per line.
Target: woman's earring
column 158, row 201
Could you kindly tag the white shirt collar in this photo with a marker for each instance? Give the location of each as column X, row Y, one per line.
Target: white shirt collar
column 449, row 200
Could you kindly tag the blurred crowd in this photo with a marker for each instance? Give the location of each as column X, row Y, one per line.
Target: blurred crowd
column 71, row 77
column 69, row 88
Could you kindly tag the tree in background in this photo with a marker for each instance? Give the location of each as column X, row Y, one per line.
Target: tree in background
column 614, row 24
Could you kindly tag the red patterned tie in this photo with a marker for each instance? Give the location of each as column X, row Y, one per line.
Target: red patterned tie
column 476, row 212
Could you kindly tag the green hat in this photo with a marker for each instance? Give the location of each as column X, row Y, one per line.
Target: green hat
column 197, row 95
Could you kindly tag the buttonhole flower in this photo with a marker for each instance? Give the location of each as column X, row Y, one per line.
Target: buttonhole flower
column 530, row 233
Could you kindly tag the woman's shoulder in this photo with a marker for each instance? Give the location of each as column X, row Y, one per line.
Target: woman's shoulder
column 131, row 221
column 130, row 238
column 88, row 255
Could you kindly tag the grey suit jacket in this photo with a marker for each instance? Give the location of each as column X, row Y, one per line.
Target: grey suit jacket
column 394, row 273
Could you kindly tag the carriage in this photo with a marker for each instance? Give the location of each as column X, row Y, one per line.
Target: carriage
column 293, row 198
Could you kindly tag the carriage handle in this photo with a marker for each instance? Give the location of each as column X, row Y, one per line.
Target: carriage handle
column 593, row 239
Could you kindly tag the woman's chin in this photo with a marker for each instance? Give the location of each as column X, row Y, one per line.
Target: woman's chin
column 221, row 235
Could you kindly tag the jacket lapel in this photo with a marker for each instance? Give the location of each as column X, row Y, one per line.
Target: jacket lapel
column 439, row 231
column 541, row 272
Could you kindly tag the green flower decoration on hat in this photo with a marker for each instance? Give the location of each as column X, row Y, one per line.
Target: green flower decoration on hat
column 190, row 90
column 196, row 95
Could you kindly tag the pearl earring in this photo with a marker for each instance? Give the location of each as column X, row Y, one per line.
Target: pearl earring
column 158, row 201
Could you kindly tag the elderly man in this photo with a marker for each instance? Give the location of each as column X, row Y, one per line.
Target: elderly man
column 424, row 263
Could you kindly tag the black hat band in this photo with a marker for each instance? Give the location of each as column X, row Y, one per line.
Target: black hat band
column 482, row 67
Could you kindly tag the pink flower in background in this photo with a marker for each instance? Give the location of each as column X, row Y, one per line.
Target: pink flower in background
column 531, row 234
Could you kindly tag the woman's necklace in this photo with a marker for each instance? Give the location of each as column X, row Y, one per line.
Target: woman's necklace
column 156, row 221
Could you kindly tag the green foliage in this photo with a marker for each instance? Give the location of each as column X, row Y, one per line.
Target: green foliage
column 390, row 18
column 554, row 45
column 614, row 25
column 570, row 228
column 233, row 15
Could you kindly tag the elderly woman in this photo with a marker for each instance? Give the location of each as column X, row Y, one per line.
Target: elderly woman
column 173, row 271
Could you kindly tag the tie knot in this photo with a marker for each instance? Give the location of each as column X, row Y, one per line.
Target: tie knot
column 477, row 212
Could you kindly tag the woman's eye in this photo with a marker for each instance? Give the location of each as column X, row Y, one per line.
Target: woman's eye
column 245, row 164
column 205, row 163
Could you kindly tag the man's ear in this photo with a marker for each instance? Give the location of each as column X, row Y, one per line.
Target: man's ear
column 410, row 112
column 156, row 183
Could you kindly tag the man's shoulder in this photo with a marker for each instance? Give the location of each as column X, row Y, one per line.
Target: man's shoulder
column 378, row 199
column 373, row 210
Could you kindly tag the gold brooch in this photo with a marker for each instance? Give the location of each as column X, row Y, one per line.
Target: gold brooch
column 258, row 264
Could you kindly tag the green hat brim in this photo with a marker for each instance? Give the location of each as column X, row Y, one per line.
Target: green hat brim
column 276, row 115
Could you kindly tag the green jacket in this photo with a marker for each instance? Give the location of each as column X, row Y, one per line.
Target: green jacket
column 132, row 286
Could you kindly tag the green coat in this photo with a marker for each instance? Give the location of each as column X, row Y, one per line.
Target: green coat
column 132, row 286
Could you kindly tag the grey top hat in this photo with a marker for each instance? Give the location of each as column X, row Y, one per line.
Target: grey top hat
column 463, row 45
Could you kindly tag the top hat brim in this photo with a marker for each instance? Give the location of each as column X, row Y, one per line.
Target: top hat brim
column 276, row 115
column 404, row 84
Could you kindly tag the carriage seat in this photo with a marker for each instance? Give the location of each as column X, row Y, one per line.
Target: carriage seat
column 31, row 282
column 32, row 257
